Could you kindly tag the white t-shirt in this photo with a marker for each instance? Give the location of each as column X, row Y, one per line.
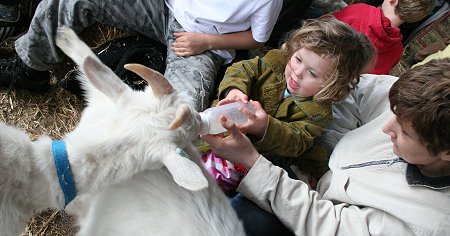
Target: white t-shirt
column 227, row 16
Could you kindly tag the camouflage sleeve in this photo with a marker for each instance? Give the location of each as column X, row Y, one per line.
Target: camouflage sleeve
column 241, row 75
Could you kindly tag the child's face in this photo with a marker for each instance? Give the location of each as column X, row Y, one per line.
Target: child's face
column 305, row 72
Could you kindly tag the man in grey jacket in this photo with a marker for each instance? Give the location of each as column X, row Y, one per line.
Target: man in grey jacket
column 389, row 176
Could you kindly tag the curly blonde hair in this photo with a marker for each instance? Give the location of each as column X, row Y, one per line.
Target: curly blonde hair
column 351, row 53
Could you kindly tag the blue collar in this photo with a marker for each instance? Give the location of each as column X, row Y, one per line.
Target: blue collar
column 286, row 93
column 63, row 171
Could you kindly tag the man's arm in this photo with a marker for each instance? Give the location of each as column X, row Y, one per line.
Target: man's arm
column 188, row 44
column 306, row 212
column 301, row 209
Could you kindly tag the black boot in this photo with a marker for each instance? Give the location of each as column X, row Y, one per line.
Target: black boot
column 12, row 22
column 15, row 73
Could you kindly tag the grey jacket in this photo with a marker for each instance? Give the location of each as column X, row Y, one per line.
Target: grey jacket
column 368, row 191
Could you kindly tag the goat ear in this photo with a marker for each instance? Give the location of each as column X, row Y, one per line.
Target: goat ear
column 103, row 78
column 100, row 76
column 185, row 172
column 68, row 41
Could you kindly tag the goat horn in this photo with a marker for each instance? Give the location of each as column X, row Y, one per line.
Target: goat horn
column 180, row 117
column 159, row 84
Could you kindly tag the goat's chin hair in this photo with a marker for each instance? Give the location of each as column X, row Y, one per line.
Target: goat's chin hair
column 194, row 155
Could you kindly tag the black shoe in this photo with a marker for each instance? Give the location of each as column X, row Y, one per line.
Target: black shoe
column 14, row 73
column 133, row 49
column 12, row 22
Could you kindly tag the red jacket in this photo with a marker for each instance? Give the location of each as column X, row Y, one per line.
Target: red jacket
column 370, row 21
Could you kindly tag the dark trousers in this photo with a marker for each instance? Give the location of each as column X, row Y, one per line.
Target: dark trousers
column 258, row 222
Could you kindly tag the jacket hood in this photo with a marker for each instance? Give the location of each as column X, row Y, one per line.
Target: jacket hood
column 374, row 25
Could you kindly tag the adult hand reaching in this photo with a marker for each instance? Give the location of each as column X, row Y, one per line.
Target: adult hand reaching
column 235, row 147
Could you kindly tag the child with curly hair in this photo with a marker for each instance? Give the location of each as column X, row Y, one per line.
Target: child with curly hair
column 293, row 88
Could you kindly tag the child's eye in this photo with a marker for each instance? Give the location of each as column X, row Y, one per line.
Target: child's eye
column 313, row 74
column 298, row 59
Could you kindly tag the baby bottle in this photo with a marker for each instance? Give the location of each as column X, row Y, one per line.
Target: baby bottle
column 210, row 117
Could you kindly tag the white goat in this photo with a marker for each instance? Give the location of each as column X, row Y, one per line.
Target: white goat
column 123, row 155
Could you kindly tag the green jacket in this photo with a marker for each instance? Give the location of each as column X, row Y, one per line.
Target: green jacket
column 293, row 122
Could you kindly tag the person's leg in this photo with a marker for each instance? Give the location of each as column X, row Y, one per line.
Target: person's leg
column 194, row 75
column 12, row 22
column 37, row 50
column 37, row 47
column 257, row 222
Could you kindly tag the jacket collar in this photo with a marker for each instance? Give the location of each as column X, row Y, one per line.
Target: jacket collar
column 415, row 178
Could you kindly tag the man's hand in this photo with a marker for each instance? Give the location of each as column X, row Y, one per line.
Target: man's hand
column 189, row 44
column 236, row 147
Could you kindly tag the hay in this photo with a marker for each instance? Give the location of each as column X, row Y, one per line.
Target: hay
column 51, row 222
column 54, row 113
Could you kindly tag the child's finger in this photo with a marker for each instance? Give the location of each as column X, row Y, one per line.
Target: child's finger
column 179, row 34
column 224, row 101
column 256, row 104
column 244, row 98
column 249, row 113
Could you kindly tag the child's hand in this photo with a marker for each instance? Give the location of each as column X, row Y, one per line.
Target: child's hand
column 235, row 95
column 188, row 44
column 257, row 120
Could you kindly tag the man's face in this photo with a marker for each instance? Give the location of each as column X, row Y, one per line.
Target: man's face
column 407, row 144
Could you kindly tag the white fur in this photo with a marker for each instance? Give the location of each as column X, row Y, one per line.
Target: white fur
column 123, row 159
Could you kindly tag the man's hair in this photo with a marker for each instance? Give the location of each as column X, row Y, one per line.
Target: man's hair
column 413, row 10
column 351, row 53
column 421, row 97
